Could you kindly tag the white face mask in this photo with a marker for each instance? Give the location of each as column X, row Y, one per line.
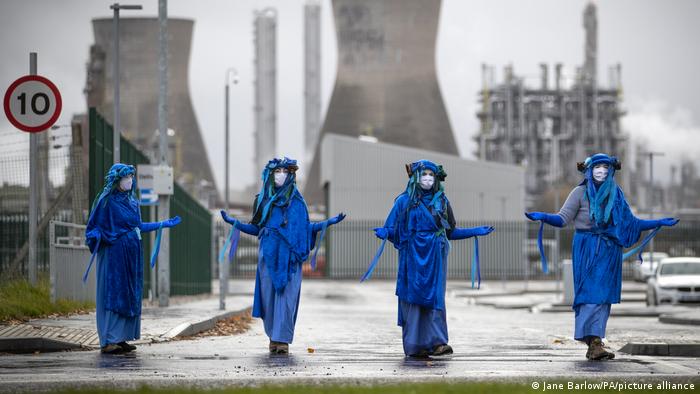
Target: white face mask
column 427, row 182
column 126, row 183
column 600, row 172
column 280, row 178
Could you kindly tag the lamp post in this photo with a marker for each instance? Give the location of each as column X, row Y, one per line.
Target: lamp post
column 115, row 32
column 651, row 197
column 231, row 73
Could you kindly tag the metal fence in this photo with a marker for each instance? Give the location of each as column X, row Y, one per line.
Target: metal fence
column 55, row 200
column 509, row 253
column 68, row 257
column 190, row 242
column 245, row 262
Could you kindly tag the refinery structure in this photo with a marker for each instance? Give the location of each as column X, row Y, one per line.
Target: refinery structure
column 545, row 127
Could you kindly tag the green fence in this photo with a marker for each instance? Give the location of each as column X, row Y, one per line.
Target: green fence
column 190, row 242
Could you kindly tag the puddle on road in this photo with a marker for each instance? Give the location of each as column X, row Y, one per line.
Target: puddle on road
column 205, row 358
column 118, row 361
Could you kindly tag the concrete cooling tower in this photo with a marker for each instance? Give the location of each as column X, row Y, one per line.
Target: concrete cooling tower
column 139, row 93
column 386, row 84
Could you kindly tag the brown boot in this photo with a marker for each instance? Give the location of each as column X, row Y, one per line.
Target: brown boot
column 282, row 348
column 596, row 351
column 273, row 347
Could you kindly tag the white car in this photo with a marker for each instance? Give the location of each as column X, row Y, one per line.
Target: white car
column 677, row 280
column 644, row 270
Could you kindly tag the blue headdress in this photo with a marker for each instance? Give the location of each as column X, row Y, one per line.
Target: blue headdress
column 269, row 194
column 601, row 197
column 414, row 172
column 115, row 173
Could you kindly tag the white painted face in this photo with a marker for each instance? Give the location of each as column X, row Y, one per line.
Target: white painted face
column 126, row 183
column 600, row 172
column 427, row 179
column 280, row 176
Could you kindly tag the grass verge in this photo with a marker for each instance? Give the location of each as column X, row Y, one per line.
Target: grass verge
column 20, row 301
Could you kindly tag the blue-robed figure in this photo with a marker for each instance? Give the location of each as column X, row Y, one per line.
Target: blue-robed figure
column 604, row 225
column 113, row 235
column 420, row 225
column 281, row 223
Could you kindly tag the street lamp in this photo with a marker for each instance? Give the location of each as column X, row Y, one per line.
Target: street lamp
column 115, row 32
column 651, row 197
column 231, row 73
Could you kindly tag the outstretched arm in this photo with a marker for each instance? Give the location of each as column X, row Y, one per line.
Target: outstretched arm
column 317, row 226
column 654, row 223
column 151, row 226
column 247, row 228
column 551, row 219
column 566, row 214
column 463, row 233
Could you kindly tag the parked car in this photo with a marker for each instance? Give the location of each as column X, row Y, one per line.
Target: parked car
column 677, row 280
column 644, row 270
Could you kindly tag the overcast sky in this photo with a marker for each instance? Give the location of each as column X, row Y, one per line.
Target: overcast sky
column 656, row 41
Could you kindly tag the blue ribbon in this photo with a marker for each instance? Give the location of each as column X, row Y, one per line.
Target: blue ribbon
column 476, row 267
column 92, row 259
column 156, row 249
column 318, row 245
column 541, row 247
column 229, row 239
column 374, row 262
column 640, row 247
column 234, row 244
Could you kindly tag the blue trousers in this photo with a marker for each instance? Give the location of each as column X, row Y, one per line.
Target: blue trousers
column 278, row 309
column 422, row 328
column 112, row 327
column 591, row 320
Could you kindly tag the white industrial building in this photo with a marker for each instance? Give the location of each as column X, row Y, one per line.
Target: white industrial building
column 363, row 178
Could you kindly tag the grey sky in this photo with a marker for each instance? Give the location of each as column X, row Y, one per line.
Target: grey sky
column 656, row 42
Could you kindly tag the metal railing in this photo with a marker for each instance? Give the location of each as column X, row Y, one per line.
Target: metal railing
column 510, row 253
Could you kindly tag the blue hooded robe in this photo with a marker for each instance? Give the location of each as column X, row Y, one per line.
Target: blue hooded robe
column 114, row 233
column 285, row 235
column 419, row 226
column 597, row 251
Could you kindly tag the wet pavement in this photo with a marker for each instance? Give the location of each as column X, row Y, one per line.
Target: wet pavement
column 347, row 332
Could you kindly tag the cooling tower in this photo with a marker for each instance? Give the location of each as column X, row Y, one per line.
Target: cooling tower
column 386, row 85
column 138, row 67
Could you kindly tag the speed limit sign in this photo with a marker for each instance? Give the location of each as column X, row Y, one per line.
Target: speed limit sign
column 32, row 103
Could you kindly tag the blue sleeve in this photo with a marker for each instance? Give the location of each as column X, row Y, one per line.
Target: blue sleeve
column 648, row 224
column 462, row 233
column 248, row 228
column 554, row 220
column 393, row 221
column 146, row 227
column 317, row 226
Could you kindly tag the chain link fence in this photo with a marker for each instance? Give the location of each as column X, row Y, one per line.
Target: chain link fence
column 59, row 171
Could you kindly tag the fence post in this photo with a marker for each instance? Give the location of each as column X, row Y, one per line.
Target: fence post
column 52, row 257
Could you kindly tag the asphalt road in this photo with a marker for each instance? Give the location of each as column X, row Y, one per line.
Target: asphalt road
column 352, row 331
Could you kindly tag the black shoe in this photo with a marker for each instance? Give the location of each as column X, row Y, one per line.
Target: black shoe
column 111, row 349
column 442, row 350
column 126, row 347
column 421, row 354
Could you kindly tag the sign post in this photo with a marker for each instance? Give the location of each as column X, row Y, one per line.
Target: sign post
column 32, row 103
column 154, row 181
